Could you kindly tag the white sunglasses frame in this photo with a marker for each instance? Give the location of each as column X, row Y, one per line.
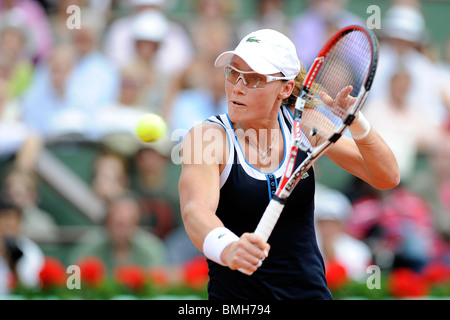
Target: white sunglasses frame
column 268, row 77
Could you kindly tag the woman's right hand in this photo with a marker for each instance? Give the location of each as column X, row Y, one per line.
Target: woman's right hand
column 246, row 254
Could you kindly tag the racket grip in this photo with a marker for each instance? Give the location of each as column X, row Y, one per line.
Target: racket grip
column 267, row 223
column 269, row 219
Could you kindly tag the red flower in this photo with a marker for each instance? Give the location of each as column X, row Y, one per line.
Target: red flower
column 52, row 274
column 436, row 272
column 403, row 283
column 159, row 277
column 12, row 281
column 93, row 270
column 335, row 274
column 131, row 276
column 195, row 273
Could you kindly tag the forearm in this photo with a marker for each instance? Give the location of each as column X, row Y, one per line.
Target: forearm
column 369, row 158
column 199, row 190
column 381, row 166
column 378, row 161
column 199, row 221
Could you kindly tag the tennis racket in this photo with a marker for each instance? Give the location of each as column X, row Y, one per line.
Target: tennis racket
column 334, row 90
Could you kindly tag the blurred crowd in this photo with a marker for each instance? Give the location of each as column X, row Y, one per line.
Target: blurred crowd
column 62, row 85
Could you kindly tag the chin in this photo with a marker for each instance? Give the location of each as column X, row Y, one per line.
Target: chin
column 237, row 113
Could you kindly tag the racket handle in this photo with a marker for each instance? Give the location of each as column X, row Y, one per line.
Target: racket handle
column 269, row 219
column 267, row 223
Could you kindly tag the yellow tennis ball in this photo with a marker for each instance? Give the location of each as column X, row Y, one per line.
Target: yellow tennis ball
column 151, row 127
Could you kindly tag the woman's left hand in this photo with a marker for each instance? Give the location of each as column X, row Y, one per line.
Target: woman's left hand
column 342, row 103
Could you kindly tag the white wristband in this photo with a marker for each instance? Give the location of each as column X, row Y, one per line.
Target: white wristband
column 216, row 241
column 360, row 129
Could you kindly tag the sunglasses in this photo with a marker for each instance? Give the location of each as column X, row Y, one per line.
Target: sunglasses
column 251, row 79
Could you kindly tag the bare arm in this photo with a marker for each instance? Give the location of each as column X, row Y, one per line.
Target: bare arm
column 199, row 189
column 368, row 158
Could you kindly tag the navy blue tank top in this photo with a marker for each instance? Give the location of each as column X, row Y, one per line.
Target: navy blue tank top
column 294, row 268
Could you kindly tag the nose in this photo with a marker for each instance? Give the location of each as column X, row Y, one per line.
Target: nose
column 241, row 77
column 239, row 86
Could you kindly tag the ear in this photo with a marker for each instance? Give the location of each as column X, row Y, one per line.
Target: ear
column 286, row 90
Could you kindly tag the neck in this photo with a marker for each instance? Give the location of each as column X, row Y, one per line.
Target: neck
column 264, row 123
column 260, row 137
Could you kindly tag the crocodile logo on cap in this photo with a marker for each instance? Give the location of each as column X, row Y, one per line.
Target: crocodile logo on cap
column 253, row 39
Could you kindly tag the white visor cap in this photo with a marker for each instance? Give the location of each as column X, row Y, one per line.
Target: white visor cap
column 267, row 52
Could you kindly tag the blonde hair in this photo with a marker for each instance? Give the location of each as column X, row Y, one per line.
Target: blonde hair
column 315, row 89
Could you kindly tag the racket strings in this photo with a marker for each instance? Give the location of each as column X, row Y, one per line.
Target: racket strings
column 346, row 64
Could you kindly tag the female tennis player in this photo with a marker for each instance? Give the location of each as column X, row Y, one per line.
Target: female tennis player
column 231, row 165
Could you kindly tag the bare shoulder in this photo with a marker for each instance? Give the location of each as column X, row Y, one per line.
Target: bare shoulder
column 204, row 134
column 205, row 143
